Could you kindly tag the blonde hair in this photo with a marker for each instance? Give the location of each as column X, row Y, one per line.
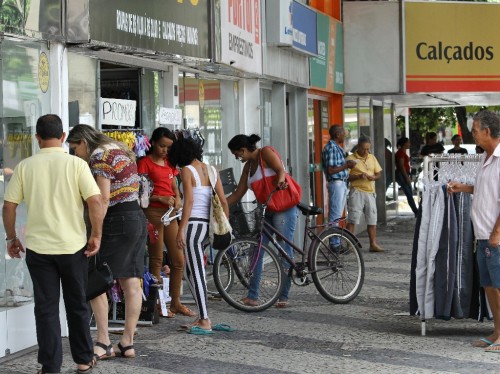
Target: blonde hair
column 95, row 139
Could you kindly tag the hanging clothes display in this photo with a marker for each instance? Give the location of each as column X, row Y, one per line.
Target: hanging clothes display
column 444, row 278
column 136, row 140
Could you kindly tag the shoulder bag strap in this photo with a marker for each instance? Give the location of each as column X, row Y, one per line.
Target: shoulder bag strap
column 211, row 177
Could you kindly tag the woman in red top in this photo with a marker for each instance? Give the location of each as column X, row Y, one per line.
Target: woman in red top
column 165, row 194
column 403, row 172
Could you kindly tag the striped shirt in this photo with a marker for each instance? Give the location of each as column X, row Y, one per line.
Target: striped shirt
column 333, row 156
column 486, row 201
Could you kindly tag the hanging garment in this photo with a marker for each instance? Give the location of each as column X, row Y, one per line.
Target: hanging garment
column 429, row 234
column 444, row 276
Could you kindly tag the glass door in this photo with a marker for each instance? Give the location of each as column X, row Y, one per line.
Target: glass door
column 25, row 96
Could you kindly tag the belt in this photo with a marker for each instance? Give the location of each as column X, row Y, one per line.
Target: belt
column 338, row 180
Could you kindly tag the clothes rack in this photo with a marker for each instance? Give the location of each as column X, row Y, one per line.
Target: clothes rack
column 437, row 171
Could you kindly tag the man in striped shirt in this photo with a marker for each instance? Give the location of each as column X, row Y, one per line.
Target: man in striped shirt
column 486, row 217
column 336, row 173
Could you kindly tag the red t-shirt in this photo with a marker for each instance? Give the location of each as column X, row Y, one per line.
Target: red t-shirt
column 401, row 154
column 161, row 176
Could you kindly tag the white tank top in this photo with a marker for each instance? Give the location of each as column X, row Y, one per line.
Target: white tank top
column 201, row 196
column 257, row 176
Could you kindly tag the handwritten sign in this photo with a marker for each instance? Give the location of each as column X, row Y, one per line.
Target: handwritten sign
column 31, row 112
column 117, row 112
column 170, row 116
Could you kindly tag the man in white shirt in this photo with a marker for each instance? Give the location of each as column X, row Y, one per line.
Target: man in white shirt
column 486, row 216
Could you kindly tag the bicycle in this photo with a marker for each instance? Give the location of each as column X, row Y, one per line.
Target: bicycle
column 337, row 269
column 209, row 256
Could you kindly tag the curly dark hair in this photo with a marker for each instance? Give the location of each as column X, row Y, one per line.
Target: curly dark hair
column 184, row 151
column 243, row 141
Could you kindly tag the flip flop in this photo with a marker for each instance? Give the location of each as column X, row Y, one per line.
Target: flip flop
column 493, row 348
column 196, row 330
column 222, row 327
column 108, row 351
column 482, row 343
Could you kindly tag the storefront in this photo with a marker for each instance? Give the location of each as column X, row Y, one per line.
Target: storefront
column 324, row 100
column 156, row 55
column 30, row 73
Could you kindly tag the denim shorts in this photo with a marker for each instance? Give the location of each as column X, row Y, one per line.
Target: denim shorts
column 488, row 261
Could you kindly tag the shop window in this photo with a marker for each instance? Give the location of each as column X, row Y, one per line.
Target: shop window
column 25, row 96
column 82, row 90
column 200, row 101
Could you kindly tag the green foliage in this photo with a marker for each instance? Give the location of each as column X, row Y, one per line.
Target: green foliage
column 424, row 120
column 13, row 15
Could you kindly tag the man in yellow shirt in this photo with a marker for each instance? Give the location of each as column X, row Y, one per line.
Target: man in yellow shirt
column 54, row 184
column 361, row 198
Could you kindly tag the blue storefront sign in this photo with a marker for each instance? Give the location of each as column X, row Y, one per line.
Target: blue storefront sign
column 304, row 28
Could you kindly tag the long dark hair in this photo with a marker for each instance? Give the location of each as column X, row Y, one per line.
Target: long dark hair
column 243, row 141
column 402, row 141
column 184, row 151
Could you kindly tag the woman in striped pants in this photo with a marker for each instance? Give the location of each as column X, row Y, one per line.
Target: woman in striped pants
column 193, row 227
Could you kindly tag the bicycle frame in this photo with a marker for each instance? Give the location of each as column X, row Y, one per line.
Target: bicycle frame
column 309, row 232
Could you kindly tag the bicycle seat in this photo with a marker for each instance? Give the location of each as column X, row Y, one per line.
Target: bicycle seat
column 309, row 209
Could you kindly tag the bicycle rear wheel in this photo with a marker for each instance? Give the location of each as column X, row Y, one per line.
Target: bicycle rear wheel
column 246, row 259
column 338, row 271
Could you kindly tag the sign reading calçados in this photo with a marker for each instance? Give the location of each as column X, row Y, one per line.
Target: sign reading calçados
column 452, row 47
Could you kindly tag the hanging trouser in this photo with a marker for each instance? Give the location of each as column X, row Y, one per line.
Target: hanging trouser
column 445, row 273
column 465, row 257
column 421, row 258
column 413, row 278
column 435, row 227
column 430, row 231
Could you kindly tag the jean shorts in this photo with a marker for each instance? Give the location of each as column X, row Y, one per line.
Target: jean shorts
column 488, row 261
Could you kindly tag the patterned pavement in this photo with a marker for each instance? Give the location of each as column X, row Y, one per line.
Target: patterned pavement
column 374, row 333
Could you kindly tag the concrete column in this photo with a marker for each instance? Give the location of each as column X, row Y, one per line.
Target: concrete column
column 378, row 150
column 229, row 92
column 279, row 131
column 169, row 87
column 58, row 71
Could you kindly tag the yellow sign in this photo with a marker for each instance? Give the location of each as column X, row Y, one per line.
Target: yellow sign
column 43, row 72
column 452, row 47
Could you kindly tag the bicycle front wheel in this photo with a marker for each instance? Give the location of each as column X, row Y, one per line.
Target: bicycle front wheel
column 338, row 269
column 257, row 278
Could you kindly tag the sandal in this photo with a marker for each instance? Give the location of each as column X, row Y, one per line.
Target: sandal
column 282, row 304
column 249, row 302
column 125, row 349
column 184, row 310
column 109, row 352
column 170, row 314
column 88, row 370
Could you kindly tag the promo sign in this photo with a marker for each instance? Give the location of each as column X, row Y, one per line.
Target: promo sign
column 241, row 45
column 327, row 69
column 452, row 47
column 170, row 116
column 117, row 112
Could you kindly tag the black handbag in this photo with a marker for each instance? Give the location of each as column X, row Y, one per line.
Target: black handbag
column 100, row 279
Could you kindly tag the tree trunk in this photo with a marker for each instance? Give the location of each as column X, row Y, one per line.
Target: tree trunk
column 461, row 113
